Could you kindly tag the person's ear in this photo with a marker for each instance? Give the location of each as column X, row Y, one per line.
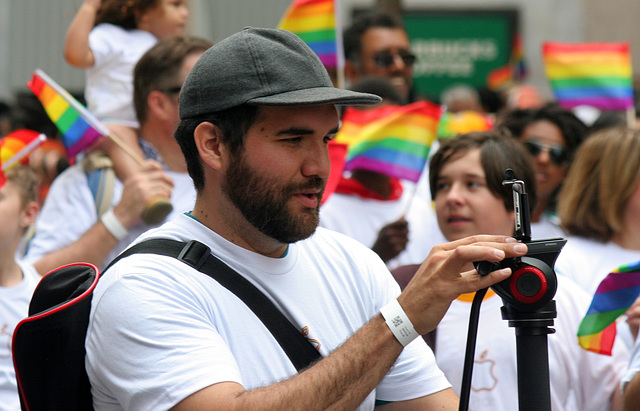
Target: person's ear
column 210, row 147
column 29, row 213
column 160, row 106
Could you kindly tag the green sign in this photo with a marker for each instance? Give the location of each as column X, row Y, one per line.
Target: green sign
column 458, row 47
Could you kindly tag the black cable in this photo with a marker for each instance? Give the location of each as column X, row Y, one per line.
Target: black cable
column 472, row 334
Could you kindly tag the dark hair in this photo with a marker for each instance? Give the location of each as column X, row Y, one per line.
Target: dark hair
column 233, row 122
column 498, row 151
column 159, row 69
column 123, row 13
column 572, row 128
column 353, row 34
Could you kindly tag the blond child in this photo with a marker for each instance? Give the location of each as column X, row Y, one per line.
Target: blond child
column 18, row 279
column 107, row 37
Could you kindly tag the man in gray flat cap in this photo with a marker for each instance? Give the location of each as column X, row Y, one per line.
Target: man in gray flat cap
column 257, row 112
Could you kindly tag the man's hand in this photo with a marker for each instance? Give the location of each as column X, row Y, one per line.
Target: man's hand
column 139, row 190
column 448, row 272
column 392, row 240
column 633, row 317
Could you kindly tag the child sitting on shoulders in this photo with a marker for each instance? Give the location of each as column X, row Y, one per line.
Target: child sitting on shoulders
column 107, row 37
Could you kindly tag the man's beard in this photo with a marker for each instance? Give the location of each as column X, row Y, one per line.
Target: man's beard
column 263, row 202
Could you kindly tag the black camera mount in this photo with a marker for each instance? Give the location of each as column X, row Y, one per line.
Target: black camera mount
column 529, row 307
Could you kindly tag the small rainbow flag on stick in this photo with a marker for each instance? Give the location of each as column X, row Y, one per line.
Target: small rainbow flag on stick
column 613, row 297
column 314, row 21
column 594, row 74
column 79, row 128
column 513, row 72
column 393, row 140
column 15, row 147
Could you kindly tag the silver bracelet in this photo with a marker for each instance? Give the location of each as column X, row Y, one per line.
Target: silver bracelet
column 398, row 322
column 113, row 225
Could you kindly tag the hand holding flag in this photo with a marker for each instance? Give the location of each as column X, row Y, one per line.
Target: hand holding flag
column 613, row 297
column 80, row 129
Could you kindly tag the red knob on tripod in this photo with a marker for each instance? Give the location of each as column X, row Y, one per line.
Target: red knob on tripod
column 528, row 284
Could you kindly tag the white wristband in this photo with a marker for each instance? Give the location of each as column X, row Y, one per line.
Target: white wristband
column 398, row 322
column 113, row 225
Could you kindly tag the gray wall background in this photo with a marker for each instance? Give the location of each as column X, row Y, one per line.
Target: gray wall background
column 32, row 31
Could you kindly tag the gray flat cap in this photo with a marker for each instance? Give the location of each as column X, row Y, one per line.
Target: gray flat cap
column 267, row 67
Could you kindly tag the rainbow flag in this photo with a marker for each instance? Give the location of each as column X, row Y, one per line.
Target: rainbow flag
column 79, row 128
column 594, row 74
column 394, row 140
column 513, row 72
column 613, row 297
column 462, row 122
column 314, row 21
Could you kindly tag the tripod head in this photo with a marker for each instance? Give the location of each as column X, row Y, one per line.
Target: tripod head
column 533, row 281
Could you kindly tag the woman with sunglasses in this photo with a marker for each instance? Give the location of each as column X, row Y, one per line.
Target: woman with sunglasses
column 551, row 135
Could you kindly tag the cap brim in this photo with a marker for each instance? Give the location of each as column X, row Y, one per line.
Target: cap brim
column 316, row 96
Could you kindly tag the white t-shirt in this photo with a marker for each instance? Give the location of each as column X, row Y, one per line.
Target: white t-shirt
column 580, row 380
column 69, row 211
column 14, row 307
column 109, row 86
column 587, row 261
column 362, row 218
column 547, row 227
column 634, row 365
column 160, row 330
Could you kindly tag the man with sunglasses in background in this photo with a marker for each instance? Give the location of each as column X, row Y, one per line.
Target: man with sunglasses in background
column 376, row 44
column 70, row 227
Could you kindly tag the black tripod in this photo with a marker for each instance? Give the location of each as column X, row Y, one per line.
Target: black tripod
column 532, row 354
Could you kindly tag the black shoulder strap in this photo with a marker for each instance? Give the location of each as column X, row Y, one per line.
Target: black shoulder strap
column 299, row 350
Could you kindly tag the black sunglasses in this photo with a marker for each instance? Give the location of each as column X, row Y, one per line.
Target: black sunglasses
column 558, row 154
column 384, row 60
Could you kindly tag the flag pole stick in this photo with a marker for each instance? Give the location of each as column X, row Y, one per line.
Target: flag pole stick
column 410, row 202
column 125, row 148
column 340, row 57
column 631, row 117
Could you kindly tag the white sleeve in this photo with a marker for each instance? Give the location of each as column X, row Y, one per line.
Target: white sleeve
column 67, row 213
column 101, row 43
column 167, row 344
column 634, row 365
column 415, row 372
